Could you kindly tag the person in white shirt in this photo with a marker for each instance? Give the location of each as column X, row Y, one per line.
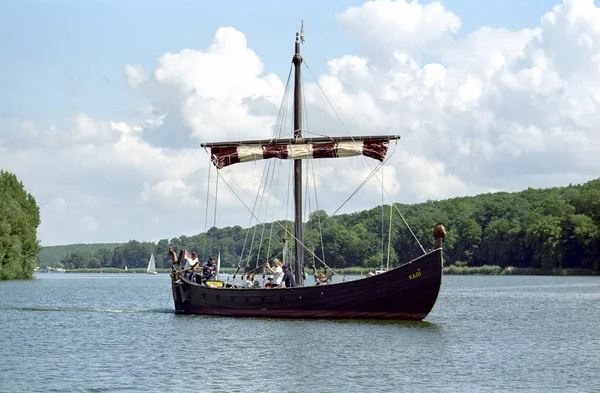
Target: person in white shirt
column 277, row 271
column 191, row 264
column 269, row 284
column 248, row 283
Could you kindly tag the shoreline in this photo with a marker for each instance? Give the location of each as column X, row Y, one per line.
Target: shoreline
column 489, row 270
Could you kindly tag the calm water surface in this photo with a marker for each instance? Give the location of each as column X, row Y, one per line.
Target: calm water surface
column 117, row 332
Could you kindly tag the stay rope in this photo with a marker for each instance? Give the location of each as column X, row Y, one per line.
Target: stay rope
column 364, row 158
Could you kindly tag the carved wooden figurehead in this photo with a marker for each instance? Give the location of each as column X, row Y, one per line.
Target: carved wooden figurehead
column 439, row 232
column 174, row 258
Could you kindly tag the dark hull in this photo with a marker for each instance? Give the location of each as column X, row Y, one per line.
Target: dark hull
column 408, row 292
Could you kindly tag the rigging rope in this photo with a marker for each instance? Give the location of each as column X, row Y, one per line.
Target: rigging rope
column 269, row 167
column 382, row 213
column 258, row 203
column 389, row 239
column 373, row 172
column 312, row 170
column 261, row 208
column 216, row 198
column 368, row 163
column 206, row 214
column 258, row 220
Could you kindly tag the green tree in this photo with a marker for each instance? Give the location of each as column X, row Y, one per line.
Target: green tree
column 551, row 228
column 104, row 257
column 80, row 260
column 544, row 233
column 160, row 252
column 579, row 234
column 502, row 243
column 469, row 235
column 19, row 219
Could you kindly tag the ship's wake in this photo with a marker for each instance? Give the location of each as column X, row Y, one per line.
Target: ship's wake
column 89, row 310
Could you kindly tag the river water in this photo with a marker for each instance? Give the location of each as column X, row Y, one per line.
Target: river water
column 117, row 332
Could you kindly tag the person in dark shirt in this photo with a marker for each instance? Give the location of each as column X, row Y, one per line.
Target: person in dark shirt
column 288, row 277
column 208, row 269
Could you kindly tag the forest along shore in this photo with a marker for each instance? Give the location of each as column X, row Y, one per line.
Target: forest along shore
column 536, row 231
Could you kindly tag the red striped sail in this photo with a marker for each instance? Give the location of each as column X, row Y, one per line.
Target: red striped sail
column 225, row 155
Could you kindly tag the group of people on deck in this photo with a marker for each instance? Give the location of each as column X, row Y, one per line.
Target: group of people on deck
column 280, row 275
column 192, row 264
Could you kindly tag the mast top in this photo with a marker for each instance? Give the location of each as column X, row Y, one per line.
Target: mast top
column 300, row 36
column 297, row 59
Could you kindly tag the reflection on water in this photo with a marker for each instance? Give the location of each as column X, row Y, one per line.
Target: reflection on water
column 118, row 332
column 404, row 324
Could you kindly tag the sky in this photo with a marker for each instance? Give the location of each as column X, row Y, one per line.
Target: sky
column 104, row 104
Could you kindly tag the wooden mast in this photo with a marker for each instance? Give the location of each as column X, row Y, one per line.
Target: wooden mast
column 226, row 153
column 298, row 238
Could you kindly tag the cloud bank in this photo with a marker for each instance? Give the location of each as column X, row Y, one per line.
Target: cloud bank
column 493, row 110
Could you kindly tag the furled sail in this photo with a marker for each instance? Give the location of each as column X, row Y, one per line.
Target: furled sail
column 229, row 153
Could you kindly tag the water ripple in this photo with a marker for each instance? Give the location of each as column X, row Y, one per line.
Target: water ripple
column 114, row 334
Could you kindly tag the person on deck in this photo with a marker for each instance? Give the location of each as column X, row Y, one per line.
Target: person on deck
column 248, row 283
column 277, row 271
column 288, row 277
column 269, row 284
column 321, row 279
column 208, row 269
column 191, row 264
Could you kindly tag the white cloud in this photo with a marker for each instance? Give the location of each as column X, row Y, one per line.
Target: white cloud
column 485, row 51
column 169, row 193
column 207, row 94
column 438, row 182
column 382, row 25
column 494, row 109
column 496, row 95
column 135, row 75
column 72, row 219
column 88, row 223
column 57, row 204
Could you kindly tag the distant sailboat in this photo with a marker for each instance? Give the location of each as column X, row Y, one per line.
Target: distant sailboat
column 151, row 265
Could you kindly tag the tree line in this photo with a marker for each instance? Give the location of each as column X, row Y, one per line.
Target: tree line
column 19, row 219
column 535, row 228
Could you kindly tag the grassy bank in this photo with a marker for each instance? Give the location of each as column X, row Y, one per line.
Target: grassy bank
column 514, row 271
column 115, row 270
